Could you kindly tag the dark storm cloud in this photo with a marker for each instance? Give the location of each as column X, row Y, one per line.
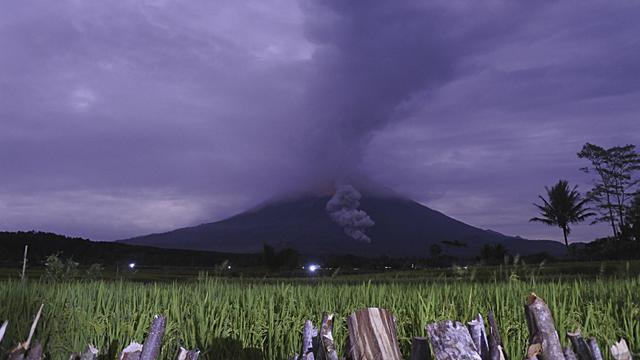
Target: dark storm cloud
column 123, row 118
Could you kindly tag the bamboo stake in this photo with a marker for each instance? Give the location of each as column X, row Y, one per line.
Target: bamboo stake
column 3, row 329
column 184, row 354
column 479, row 337
column 496, row 347
column 131, row 352
column 620, row 350
column 24, row 263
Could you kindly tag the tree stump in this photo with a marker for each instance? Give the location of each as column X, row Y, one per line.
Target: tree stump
column 326, row 350
column 184, row 354
column 308, row 333
column 479, row 336
column 580, row 347
column 542, row 330
column 372, row 335
column 451, row 341
column 132, row 351
column 595, row 349
column 496, row 347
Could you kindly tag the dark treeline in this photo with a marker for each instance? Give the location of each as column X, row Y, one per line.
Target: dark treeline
column 614, row 199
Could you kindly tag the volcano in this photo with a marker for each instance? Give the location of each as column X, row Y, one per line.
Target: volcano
column 403, row 228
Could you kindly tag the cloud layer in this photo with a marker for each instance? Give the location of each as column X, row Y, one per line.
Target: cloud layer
column 122, row 118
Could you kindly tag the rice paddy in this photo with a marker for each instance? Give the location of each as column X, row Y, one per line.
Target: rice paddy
column 249, row 319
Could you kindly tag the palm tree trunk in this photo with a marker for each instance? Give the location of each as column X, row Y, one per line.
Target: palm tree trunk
column 564, row 232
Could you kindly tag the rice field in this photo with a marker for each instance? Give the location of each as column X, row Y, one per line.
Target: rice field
column 242, row 319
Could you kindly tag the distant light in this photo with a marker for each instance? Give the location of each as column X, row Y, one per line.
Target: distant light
column 132, row 265
column 313, row 267
column 387, row 267
column 228, row 267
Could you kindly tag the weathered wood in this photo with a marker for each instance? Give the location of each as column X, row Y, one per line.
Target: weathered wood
column 16, row 354
column 153, row 342
column 620, row 350
column 308, row 333
column 580, row 347
column 372, row 335
column 35, row 352
column 132, row 351
column 184, row 354
column 3, row 329
column 479, row 336
column 595, row 349
column 541, row 326
column 569, row 354
column 420, row 349
column 326, row 349
column 496, row 347
column 451, row 341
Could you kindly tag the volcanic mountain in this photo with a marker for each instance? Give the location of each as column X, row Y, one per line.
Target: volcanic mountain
column 403, row 228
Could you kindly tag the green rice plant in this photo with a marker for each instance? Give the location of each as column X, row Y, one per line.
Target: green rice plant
column 255, row 319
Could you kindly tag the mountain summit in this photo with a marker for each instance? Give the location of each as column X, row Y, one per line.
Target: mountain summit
column 400, row 227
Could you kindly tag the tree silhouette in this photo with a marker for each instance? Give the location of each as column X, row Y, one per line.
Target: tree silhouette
column 565, row 206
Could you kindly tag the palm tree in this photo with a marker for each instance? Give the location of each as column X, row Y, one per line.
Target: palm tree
column 565, row 206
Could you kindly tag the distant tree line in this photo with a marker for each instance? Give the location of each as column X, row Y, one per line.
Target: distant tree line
column 614, row 199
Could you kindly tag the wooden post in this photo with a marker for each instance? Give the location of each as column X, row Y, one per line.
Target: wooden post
column 372, row 335
column 132, row 351
column 153, row 342
column 496, row 347
column 595, row 349
column 451, row 341
column 184, row 354
column 580, row 347
column 479, row 336
column 326, row 350
column 542, row 330
column 569, row 354
column 90, row 353
column 308, row 333
column 420, row 349
column 620, row 350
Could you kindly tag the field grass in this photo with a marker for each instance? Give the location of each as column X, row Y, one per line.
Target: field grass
column 252, row 319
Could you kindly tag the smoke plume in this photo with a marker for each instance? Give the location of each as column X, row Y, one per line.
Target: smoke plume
column 343, row 210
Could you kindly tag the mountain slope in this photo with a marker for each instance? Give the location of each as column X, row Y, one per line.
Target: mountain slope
column 403, row 228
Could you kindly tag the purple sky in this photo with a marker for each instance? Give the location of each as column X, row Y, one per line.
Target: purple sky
column 120, row 118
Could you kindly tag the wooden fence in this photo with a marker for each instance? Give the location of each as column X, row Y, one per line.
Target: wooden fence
column 372, row 336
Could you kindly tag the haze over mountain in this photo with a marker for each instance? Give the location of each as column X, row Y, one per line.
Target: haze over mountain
column 403, row 228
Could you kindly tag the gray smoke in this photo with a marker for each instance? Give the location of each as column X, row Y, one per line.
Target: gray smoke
column 343, row 210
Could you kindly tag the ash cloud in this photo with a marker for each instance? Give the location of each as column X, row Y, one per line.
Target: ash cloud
column 343, row 210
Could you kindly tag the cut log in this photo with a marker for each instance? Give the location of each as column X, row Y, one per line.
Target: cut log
column 372, row 335
column 569, row 354
column 308, row 333
column 451, row 341
column 479, row 337
column 326, row 350
column 496, row 347
column 184, row 354
column 420, row 349
column 153, row 342
column 132, row 351
column 620, row 350
column 540, row 324
column 580, row 347
column 595, row 349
